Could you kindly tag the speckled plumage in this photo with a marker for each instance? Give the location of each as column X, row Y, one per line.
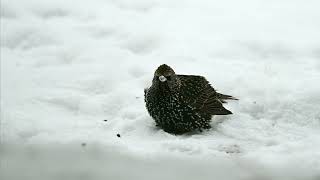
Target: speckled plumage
column 183, row 103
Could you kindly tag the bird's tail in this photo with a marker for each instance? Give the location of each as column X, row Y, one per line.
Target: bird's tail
column 223, row 97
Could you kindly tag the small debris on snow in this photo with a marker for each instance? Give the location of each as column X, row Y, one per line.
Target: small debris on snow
column 232, row 149
column 118, row 135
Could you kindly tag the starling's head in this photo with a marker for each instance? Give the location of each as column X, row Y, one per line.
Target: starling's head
column 165, row 76
column 164, row 73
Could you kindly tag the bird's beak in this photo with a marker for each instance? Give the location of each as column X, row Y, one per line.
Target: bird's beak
column 162, row 78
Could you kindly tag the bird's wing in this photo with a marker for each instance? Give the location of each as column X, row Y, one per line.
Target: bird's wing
column 199, row 94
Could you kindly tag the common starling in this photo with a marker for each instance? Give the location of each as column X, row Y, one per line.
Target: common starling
column 183, row 103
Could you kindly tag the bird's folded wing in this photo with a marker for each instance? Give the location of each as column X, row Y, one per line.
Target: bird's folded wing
column 207, row 102
column 199, row 94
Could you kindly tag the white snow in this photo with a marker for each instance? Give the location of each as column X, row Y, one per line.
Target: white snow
column 68, row 65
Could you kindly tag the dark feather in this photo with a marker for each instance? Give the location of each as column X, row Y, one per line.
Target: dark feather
column 203, row 96
column 223, row 97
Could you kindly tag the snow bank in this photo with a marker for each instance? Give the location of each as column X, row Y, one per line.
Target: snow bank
column 66, row 66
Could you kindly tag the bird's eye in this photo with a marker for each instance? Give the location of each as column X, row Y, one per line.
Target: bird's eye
column 162, row 78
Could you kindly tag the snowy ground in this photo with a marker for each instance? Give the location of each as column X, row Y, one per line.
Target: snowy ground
column 68, row 65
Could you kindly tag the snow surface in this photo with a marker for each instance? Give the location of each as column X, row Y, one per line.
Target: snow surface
column 68, row 65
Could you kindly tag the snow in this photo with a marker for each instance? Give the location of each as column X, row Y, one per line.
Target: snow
column 66, row 66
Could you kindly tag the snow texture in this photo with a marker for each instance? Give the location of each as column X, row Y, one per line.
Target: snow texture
column 66, row 66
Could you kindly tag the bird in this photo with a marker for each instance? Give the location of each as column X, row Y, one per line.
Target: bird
column 183, row 103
